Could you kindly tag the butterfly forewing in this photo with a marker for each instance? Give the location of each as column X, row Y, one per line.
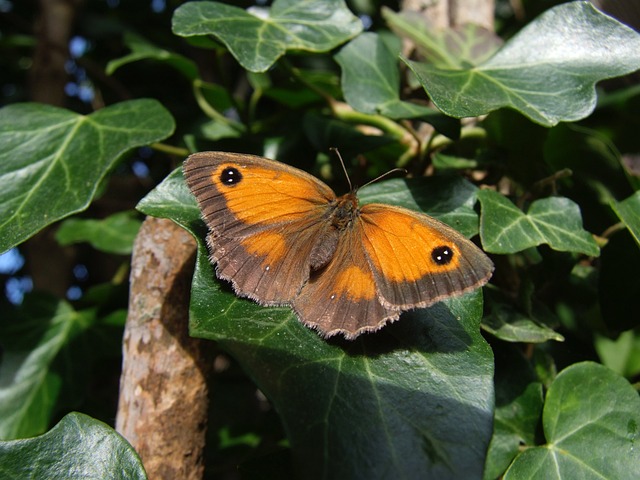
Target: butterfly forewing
column 263, row 221
column 418, row 260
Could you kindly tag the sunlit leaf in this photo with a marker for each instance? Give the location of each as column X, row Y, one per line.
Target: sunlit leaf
column 53, row 160
column 258, row 37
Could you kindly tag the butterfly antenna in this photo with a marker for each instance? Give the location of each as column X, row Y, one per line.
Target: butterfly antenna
column 386, row 174
column 380, row 177
column 344, row 168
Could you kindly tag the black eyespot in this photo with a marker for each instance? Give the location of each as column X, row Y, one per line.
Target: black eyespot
column 230, row 176
column 442, row 255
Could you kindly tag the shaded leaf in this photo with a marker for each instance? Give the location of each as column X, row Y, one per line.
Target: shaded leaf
column 547, row 71
column 141, row 49
column 518, row 409
column 556, row 221
column 392, row 400
column 507, row 323
column 257, row 38
column 77, row 447
column 587, row 405
column 114, row 234
column 628, row 212
column 621, row 355
column 324, row 133
column 31, row 339
column 53, row 160
column 618, row 287
column 371, row 84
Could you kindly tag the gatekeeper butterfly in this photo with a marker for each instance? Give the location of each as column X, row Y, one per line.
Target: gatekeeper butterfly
column 282, row 237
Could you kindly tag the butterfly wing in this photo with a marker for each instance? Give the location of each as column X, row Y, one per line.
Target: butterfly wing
column 342, row 297
column 417, row 260
column 264, row 219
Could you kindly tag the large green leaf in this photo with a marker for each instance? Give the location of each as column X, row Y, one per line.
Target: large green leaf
column 389, row 403
column 77, row 447
column 591, row 422
column 31, row 340
column 556, row 221
column 53, row 160
column 547, row 71
column 257, row 38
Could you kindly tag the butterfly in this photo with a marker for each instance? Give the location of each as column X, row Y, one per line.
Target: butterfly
column 283, row 237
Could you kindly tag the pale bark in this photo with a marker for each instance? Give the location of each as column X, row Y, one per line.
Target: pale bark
column 163, row 405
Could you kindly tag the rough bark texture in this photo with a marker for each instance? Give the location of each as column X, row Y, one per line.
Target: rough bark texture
column 162, row 410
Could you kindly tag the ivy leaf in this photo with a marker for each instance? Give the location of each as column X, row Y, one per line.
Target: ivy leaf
column 77, row 447
column 32, row 339
column 556, row 221
column 518, row 408
column 629, row 212
column 371, row 84
column 258, row 38
column 387, row 402
column 507, row 323
column 371, row 78
column 114, row 234
column 621, row 355
column 547, row 71
column 448, row 48
column 586, row 405
column 53, row 160
column 141, row 49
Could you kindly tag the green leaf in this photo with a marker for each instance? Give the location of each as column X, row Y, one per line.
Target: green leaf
column 621, row 355
column 388, row 402
column 448, row 48
column 77, row 447
column 371, row 84
column 518, row 410
column 141, row 49
column 590, row 420
column 507, row 323
column 547, row 71
column 258, row 38
column 556, row 221
column 53, row 160
column 30, row 384
column 114, row 234
column 629, row 212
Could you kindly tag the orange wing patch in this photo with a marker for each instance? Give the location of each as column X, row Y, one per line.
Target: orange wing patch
column 355, row 283
column 405, row 246
column 270, row 246
column 417, row 260
column 266, row 196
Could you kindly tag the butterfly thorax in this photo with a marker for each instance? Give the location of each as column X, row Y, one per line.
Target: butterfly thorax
column 340, row 216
